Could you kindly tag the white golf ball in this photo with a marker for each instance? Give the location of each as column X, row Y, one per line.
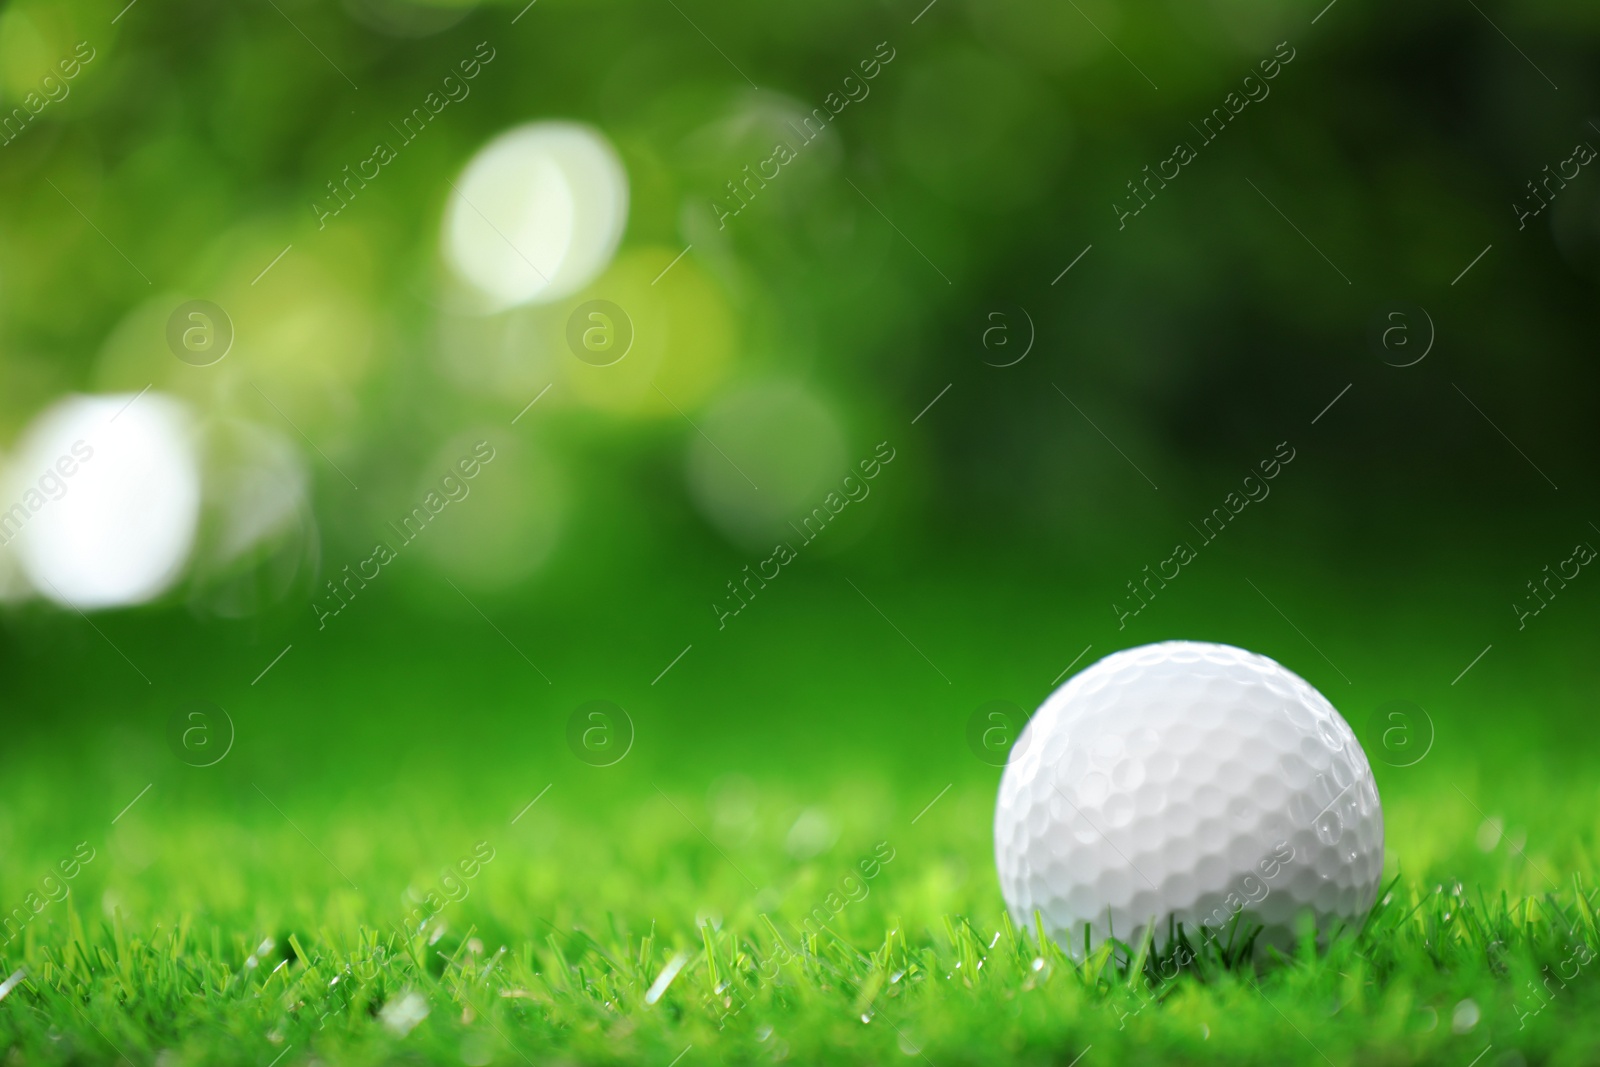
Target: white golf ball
column 1187, row 782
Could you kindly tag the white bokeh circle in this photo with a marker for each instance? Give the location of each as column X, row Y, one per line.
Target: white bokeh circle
column 102, row 499
column 536, row 214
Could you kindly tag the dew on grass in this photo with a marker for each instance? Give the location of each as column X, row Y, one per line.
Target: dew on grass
column 262, row 949
column 1465, row 1016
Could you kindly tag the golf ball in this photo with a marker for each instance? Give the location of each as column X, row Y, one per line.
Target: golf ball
column 1193, row 783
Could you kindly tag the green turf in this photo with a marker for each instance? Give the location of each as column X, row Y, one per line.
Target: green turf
column 269, row 907
column 277, row 954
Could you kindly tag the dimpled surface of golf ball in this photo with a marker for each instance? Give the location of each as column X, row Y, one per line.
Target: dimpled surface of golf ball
column 1187, row 782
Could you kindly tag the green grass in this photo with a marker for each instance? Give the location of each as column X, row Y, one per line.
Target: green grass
column 266, row 907
column 199, row 935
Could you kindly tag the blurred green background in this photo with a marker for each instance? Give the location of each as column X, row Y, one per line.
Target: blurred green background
column 853, row 302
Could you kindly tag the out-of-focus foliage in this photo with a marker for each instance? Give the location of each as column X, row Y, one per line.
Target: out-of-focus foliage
column 970, row 153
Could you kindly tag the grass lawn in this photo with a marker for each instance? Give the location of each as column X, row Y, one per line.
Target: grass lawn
column 376, row 887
